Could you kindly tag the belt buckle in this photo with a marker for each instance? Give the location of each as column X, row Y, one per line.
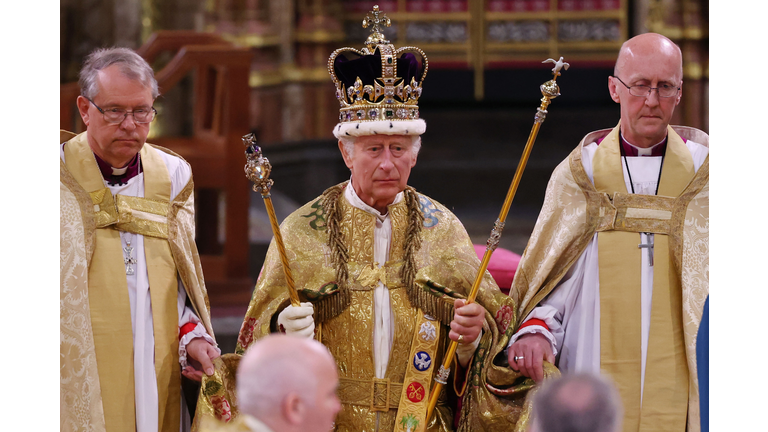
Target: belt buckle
column 380, row 389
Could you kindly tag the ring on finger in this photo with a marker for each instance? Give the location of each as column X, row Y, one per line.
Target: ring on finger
column 461, row 338
column 516, row 358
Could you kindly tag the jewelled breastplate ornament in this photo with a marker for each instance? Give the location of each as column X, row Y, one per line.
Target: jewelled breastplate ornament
column 378, row 83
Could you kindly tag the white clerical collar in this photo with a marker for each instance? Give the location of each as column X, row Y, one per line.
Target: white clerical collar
column 640, row 150
column 351, row 196
column 255, row 424
column 119, row 171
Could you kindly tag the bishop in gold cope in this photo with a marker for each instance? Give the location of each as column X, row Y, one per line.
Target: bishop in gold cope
column 134, row 309
column 616, row 273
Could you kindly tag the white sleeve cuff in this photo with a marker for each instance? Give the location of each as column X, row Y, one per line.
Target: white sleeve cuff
column 199, row 331
column 535, row 329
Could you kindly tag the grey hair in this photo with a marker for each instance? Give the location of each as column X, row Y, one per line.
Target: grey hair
column 263, row 384
column 349, row 144
column 577, row 403
column 131, row 65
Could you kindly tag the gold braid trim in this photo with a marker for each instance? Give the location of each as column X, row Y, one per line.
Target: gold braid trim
column 425, row 298
column 431, row 299
column 331, row 306
column 412, row 239
column 439, row 306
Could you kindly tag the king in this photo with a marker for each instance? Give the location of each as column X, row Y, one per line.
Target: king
column 382, row 270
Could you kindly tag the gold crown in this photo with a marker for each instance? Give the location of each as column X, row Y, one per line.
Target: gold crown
column 388, row 97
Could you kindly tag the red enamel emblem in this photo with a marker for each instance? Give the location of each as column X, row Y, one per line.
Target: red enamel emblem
column 415, row 392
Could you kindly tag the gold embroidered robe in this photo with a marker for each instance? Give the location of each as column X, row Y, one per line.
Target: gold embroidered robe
column 82, row 389
column 574, row 210
column 446, row 266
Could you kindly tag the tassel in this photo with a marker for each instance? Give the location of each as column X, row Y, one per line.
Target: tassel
column 335, row 304
column 433, row 300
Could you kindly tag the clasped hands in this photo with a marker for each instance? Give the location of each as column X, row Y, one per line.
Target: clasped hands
column 467, row 321
column 200, row 355
column 528, row 353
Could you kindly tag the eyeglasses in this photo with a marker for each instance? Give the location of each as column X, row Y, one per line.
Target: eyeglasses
column 118, row 115
column 664, row 90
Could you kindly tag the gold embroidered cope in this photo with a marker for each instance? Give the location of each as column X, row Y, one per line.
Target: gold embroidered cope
column 96, row 351
column 575, row 209
column 446, row 265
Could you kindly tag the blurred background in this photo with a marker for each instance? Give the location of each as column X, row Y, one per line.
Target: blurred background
column 229, row 67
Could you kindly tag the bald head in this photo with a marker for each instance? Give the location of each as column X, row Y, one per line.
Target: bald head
column 289, row 383
column 646, row 63
column 648, row 45
column 577, row 403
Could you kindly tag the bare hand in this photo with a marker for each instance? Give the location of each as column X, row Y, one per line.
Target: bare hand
column 534, row 348
column 467, row 320
column 200, row 355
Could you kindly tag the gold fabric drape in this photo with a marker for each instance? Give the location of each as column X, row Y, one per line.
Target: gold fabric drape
column 446, row 265
column 574, row 209
column 87, row 324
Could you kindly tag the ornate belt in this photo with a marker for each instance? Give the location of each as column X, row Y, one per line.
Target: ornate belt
column 378, row 394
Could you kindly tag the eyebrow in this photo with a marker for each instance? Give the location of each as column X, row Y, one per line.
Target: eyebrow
column 111, row 106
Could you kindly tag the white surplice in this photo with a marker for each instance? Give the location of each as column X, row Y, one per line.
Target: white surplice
column 574, row 304
column 145, row 379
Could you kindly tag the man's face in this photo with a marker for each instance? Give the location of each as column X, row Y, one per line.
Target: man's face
column 321, row 415
column 380, row 167
column 644, row 120
column 117, row 144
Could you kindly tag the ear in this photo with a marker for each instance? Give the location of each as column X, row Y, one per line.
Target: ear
column 413, row 162
column 83, row 105
column 679, row 93
column 613, row 91
column 293, row 409
column 347, row 158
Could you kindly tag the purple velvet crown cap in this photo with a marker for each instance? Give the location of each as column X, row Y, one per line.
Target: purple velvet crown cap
column 368, row 68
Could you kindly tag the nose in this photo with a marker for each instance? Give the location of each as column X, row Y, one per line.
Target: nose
column 653, row 98
column 128, row 124
column 386, row 159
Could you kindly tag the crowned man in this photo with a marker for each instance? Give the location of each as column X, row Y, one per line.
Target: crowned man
column 134, row 310
column 383, row 270
column 616, row 272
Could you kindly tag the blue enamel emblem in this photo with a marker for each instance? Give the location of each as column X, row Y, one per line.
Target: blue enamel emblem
column 422, row 361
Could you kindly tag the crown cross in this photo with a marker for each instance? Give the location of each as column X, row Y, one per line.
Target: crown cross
column 376, row 37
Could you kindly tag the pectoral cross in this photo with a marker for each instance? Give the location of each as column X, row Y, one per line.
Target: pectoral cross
column 129, row 259
column 649, row 247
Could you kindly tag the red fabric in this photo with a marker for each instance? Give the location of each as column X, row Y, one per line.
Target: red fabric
column 502, row 266
column 534, row 321
column 186, row 328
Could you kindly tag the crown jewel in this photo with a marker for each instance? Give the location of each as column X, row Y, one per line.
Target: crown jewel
column 375, row 84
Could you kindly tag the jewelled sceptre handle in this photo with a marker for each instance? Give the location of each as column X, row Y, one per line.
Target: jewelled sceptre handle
column 549, row 90
column 257, row 169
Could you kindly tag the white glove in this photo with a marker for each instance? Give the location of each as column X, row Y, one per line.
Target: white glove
column 298, row 321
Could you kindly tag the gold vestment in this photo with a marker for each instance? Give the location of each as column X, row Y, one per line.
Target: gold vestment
column 444, row 268
column 95, row 319
column 574, row 210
